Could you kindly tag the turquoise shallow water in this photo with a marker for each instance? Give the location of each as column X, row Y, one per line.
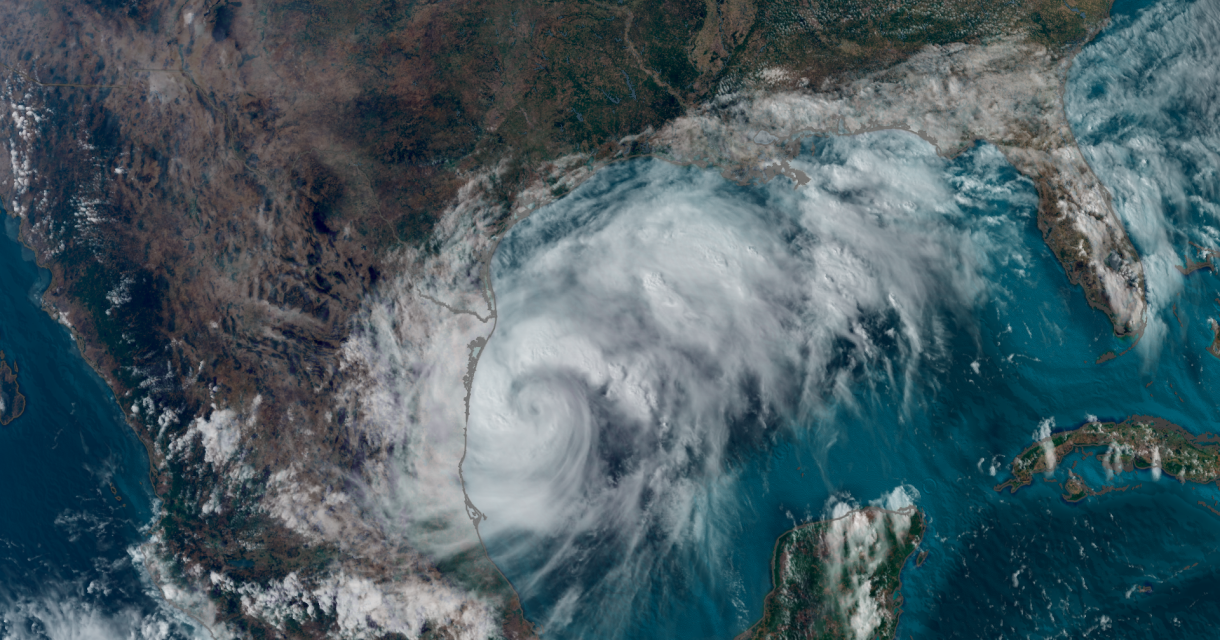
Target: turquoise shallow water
column 1142, row 100
column 1002, row 345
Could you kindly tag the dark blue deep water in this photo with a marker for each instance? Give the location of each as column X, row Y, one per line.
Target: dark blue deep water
column 75, row 484
column 1144, row 103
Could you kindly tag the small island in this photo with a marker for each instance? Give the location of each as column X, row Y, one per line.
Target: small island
column 1139, row 442
column 12, row 403
column 1204, row 261
column 1193, row 266
column 839, row 578
column 1214, row 347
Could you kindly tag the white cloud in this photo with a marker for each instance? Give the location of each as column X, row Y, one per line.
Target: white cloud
column 1043, row 436
column 857, row 542
column 661, row 320
column 68, row 616
column 1142, row 101
column 1006, row 91
column 903, row 497
column 220, row 431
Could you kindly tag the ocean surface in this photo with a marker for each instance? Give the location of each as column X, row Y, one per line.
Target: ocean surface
column 896, row 327
column 75, row 484
column 928, row 385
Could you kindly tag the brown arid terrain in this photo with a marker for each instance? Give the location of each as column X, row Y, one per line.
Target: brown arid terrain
column 268, row 224
column 12, row 402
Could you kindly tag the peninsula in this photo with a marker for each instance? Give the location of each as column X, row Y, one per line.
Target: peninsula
column 268, row 225
column 839, row 578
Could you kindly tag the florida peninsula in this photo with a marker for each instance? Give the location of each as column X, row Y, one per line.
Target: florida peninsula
column 269, row 226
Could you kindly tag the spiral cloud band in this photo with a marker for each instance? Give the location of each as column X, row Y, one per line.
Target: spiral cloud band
column 660, row 323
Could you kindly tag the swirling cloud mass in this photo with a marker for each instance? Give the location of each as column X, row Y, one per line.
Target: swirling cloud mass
column 660, row 323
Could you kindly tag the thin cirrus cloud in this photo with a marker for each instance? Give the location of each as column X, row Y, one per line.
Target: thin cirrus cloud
column 1144, row 103
column 660, row 322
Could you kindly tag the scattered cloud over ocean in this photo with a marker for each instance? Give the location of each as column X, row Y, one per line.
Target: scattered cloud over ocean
column 659, row 322
column 72, row 612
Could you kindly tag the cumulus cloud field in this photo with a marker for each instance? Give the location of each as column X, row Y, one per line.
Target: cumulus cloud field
column 95, row 608
column 660, row 324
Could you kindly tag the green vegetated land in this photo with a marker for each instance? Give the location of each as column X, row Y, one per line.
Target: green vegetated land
column 849, row 36
column 350, row 127
column 820, row 572
column 1139, row 442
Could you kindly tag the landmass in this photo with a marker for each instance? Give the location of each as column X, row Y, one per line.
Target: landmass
column 1007, row 91
column 1204, row 262
column 1214, row 347
column 1193, row 266
column 1139, row 442
column 268, row 225
column 12, row 403
column 840, row 578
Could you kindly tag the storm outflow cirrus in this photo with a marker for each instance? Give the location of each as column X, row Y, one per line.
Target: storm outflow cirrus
column 661, row 324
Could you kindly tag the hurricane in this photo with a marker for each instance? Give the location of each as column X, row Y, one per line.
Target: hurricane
column 661, row 325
